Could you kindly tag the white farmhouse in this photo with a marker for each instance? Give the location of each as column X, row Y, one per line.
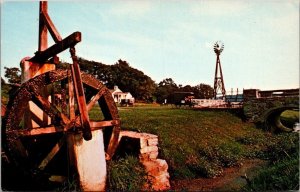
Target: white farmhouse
column 120, row 96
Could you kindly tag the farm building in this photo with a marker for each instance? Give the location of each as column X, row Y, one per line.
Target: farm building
column 121, row 97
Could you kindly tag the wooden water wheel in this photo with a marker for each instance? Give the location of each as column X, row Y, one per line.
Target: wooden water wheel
column 53, row 110
column 36, row 149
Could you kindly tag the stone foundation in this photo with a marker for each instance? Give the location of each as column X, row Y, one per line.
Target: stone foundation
column 157, row 169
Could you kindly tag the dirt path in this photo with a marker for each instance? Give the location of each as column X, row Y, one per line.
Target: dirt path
column 230, row 180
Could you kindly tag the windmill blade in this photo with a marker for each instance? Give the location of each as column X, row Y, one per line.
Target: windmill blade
column 218, row 47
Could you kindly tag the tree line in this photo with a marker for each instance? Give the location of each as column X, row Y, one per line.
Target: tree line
column 128, row 79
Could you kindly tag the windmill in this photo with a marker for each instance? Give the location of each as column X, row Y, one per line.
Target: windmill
column 219, row 88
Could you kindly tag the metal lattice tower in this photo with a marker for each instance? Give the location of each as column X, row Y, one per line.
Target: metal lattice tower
column 219, row 88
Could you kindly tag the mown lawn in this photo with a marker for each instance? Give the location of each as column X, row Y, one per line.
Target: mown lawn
column 202, row 143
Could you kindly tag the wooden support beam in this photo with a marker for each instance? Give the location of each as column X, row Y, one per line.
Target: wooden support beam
column 53, row 31
column 43, row 33
column 70, row 41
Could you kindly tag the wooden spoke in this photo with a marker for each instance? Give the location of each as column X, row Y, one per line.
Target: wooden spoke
column 95, row 99
column 35, row 131
column 40, row 130
column 49, row 108
column 36, row 119
column 52, row 153
column 95, row 125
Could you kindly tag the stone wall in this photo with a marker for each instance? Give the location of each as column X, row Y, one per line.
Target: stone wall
column 157, row 169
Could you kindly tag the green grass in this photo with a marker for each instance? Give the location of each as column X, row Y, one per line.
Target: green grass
column 126, row 174
column 197, row 143
column 202, row 143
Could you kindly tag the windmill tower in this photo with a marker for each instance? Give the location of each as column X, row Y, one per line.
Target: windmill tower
column 219, row 88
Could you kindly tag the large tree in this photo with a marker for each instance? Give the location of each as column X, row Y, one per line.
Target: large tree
column 133, row 80
column 165, row 90
column 128, row 79
column 13, row 75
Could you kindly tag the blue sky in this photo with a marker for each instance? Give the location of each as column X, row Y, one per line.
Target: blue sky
column 170, row 38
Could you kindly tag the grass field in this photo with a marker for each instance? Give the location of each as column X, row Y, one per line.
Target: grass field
column 202, row 143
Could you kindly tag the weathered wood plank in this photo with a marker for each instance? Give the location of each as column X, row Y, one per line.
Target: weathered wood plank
column 70, row 41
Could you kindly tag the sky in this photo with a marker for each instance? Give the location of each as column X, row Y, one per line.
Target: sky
column 170, row 39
